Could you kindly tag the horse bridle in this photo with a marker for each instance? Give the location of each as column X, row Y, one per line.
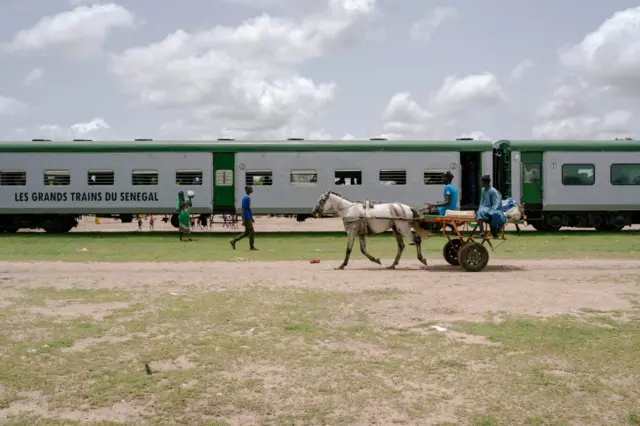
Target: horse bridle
column 323, row 200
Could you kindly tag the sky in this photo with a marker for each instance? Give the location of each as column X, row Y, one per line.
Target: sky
column 319, row 69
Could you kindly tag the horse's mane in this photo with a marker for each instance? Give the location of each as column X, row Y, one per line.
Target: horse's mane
column 331, row 191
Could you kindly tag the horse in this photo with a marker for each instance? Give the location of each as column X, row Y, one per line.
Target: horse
column 364, row 218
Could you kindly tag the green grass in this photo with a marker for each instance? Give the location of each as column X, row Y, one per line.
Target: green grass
column 116, row 247
column 312, row 357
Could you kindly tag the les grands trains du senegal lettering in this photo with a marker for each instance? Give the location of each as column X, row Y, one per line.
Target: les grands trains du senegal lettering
column 94, row 197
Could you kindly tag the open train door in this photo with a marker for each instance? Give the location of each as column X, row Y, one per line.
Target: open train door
column 532, row 184
column 470, row 172
column 223, row 182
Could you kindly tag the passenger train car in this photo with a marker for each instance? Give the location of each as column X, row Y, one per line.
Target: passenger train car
column 571, row 183
column 49, row 185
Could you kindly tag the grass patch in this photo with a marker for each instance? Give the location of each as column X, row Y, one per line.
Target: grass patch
column 129, row 247
column 290, row 356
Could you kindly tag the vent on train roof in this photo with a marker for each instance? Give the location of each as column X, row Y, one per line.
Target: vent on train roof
column 143, row 140
column 40, row 140
column 295, row 139
column 464, row 139
column 377, row 139
column 83, row 140
column 226, row 139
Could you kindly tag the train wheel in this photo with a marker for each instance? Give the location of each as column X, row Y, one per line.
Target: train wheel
column 543, row 227
column 609, row 228
column 473, row 257
column 450, row 252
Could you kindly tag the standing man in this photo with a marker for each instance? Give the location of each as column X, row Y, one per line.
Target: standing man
column 247, row 221
column 490, row 209
column 450, row 197
column 184, row 217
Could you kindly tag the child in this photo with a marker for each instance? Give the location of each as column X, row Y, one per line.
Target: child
column 184, row 218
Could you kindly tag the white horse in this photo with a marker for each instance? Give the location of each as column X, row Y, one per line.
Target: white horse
column 363, row 218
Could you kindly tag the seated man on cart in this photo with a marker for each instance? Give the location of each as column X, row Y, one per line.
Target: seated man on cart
column 490, row 209
column 450, row 197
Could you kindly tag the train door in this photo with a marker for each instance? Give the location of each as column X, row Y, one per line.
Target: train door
column 470, row 171
column 532, row 183
column 502, row 170
column 223, row 182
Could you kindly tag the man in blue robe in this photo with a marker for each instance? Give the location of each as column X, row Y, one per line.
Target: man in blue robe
column 490, row 209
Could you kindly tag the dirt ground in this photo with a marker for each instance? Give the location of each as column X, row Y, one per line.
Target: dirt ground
column 263, row 224
column 436, row 292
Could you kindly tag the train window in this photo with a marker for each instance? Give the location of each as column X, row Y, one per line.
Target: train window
column 348, row 177
column 189, row 177
column 578, row 174
column 531, row 173
column 57, row 177
column 304, row 177
column 393, row 177
column 625, row 174
column 224, row 177
column 434, row 177
column 13, row 177
column 144, row 177
column 258, row 178
column 100, row 177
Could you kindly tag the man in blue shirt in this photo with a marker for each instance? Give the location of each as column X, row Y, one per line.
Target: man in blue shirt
column 450, row 197
column 247, row 221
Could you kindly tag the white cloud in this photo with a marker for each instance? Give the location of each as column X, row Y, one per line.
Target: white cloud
column 243, row 80
column 610, row 55
column 10, row 106
column 95, row 128
column 438, row 119
column 566, row 116
column 475, row 89
column 96, row 123
column 519, row 70
column 81, row 30
column 475, row 135
column 610, row 125
column 33, row 76
column 434, row 18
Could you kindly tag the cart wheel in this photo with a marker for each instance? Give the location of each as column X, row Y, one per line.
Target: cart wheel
column 450, row 252
column 473, row 257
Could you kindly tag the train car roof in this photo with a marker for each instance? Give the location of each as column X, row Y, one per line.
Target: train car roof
column 572, row 145
column 248, row 146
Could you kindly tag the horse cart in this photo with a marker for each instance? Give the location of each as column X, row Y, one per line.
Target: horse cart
column 461, row 248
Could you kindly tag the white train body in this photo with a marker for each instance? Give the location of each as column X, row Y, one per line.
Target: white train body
column 50, row 184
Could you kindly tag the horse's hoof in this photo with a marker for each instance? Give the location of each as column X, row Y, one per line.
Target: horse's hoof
column 339, row 268
column 391, row 267
column 424, row 262
column 377, row 261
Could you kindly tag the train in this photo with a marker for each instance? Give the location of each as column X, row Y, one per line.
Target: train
column 51, row 184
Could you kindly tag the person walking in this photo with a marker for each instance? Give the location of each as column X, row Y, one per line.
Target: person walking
column 247, row 221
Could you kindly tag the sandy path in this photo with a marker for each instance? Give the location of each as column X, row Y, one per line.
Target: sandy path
column 437, row 292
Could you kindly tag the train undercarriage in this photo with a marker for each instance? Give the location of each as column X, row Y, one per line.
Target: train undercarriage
column 61, row 223
column 600, row 221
